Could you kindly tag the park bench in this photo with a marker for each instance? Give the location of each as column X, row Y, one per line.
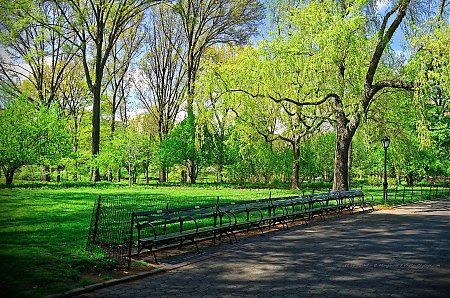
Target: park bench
column 358, row 198
column 254, row 214
column 168, row 226
column 165, row 227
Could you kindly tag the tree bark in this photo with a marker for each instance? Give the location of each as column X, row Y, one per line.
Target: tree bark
column 130, row 178
column 46, row 174
column 340, row 179
column 9, row 175
column 147, row 180
column 96, row 130
column 295, row 166
column 191, row 171
column 163, row 174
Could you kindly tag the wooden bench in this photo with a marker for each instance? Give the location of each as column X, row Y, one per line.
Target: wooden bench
column 254, row 214
column 169, row 226
column 359, row 199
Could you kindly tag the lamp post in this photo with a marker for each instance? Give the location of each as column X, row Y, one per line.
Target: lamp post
column 385, row 142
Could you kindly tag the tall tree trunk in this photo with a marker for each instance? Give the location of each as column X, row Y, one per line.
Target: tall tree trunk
column 345, row 129
column 46, row 177
column 340, row 179
column 95, row 176
column 191, row 171
column 163, row 174
column 295, row 165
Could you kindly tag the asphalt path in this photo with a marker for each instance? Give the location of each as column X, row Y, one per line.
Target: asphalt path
column 400, row 252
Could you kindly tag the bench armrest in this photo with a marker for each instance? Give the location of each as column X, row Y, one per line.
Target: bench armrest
column 139, row 227
column 185, row 219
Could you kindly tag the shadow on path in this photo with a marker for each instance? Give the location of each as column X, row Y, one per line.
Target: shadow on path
column 403, row 252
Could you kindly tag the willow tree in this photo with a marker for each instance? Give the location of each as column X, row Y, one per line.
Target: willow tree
column 258, row 85
column 351, row 53
column 206, row 23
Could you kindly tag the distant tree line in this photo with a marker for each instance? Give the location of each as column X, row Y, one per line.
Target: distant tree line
column 153, row 88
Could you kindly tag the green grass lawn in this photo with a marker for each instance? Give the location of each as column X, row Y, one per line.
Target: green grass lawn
column 43, row 231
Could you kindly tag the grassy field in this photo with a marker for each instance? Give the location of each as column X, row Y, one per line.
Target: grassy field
column 43, row 231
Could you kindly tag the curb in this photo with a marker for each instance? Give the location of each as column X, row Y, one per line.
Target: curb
column 112, row 282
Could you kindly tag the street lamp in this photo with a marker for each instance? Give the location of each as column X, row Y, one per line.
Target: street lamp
column 385, row 141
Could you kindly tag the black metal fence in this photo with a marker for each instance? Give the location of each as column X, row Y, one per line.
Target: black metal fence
column 109, row 231
column 407, row 194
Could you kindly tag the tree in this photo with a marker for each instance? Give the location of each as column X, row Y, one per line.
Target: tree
column 346, row 57
column 118, row 77
column 97, row 26
column 179, row 146
column 260, row 82
column 207, row 23
column 34, row 53
column 161, row 83
column 30, row 136
column 75, row 98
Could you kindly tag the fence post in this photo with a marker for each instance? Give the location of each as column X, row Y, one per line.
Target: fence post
column 130, row 245
column 97, row 218
column 396, row 189
column 404, row 190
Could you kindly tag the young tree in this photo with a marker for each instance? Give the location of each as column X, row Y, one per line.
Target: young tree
column 30, row 136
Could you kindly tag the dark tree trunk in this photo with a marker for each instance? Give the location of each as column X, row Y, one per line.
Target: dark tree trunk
column 130, row 178
column 46, row 177
column 147, row 180
column 219, row 173
column 295, row 166
column 95, row 175
column 58, row 175
column 163, row 174
column 9, row 175
column 191, row 171
column 345, row 129
column 340, row 180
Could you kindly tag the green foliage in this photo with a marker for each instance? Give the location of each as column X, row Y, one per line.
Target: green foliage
column 181, row 145
column 31, row 135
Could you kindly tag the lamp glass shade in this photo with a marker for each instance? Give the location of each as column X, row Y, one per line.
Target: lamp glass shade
column 385, row 141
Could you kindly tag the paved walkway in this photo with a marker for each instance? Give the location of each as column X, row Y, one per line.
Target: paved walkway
column 403, row 252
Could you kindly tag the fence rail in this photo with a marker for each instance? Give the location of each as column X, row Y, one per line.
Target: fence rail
column 408, row 194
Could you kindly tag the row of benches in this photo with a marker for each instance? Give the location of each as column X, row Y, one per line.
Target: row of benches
column 177, row 225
